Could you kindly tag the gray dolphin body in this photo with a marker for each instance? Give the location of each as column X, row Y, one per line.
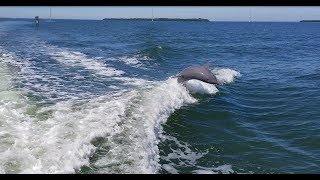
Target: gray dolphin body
column 201, row 73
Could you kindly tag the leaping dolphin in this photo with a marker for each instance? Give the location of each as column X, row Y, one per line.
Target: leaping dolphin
column 201, row 73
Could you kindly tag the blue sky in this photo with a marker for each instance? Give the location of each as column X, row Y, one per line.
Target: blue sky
column 218, row 13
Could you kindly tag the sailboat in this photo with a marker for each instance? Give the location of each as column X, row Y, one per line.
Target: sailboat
column 250, row 15
column 152, row 14
column 50, row 17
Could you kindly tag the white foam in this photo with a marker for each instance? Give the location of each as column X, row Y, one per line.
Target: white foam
column 196, row 86
column 170, row 169
column 224, row 169
column 7, row 93
column 25, row 71
column 130, row 60
column 61, row 143
column 225, row 75
column 53, row 84
column 74, row 58
column 182, row 153
column 134, row 61
column 4, row 77
column 149, row 110
column 133, row 81
column 10, row 101
column 129, row 121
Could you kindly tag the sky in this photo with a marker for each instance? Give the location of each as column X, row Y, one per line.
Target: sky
column 213, row 13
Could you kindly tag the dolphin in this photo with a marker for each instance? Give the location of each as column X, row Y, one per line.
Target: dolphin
column 201, row 73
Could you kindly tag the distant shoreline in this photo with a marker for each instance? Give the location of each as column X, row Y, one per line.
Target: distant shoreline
column 158, row 19
column 149, row 19
column 310, row 21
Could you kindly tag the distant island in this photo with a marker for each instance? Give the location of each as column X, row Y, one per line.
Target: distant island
column 310, row 21
column 158, row 19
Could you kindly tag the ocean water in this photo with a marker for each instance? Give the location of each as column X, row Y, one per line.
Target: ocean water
column 93, row 96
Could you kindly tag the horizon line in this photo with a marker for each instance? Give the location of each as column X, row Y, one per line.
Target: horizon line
column 210, row 20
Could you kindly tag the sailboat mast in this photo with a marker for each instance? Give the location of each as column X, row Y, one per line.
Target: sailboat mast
column 152, row 14
column 250, row 15
column 50, row 14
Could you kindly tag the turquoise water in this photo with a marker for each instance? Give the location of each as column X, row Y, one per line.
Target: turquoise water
column 86, row 96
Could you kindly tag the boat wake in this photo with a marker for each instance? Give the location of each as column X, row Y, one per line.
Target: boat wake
column 117, row 132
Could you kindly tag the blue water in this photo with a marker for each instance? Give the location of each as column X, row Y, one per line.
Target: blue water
column 93, row 96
